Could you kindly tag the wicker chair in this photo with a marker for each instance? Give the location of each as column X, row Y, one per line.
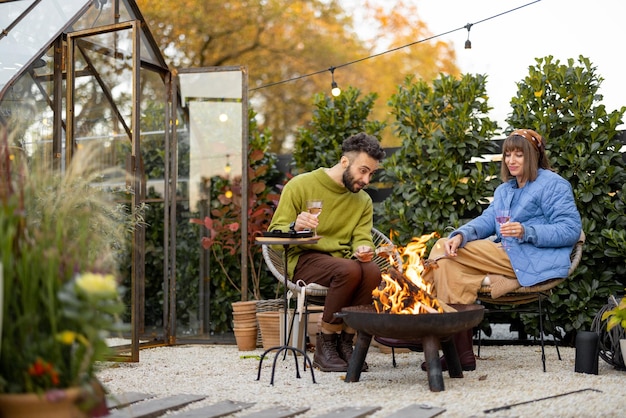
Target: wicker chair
column 529, row 294
column 315, row 294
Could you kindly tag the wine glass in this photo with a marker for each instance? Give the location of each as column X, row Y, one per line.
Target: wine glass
column 314, row 206
column 503, row 216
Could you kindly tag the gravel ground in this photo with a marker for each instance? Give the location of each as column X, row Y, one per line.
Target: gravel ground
column 505, row 375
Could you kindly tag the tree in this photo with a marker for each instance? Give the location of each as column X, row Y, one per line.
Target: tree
column 281, row 40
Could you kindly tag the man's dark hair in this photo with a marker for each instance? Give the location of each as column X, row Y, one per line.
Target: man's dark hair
column 363, row 142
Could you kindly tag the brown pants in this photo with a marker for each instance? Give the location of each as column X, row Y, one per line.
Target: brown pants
column 350, row 282
column 457, row 279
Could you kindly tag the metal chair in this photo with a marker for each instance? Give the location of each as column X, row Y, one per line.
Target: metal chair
column 315, row 294
column 529, row 294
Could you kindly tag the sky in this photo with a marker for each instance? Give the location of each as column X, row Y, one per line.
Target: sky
column 505, row 47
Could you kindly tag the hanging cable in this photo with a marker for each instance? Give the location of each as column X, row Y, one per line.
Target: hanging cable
column 467, row 26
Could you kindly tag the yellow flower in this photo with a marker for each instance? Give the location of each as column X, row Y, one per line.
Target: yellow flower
column 97, row 284
column 66, row 337
column 539, row 93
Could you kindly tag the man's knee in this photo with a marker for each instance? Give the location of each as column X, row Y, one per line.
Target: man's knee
column 350, row 269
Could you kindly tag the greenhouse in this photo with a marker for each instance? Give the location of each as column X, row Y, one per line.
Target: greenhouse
column 84, row 72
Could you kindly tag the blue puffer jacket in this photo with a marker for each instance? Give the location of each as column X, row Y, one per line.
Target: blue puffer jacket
column 551, row 221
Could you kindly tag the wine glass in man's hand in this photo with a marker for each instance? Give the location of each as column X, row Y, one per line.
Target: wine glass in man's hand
column 315, row 208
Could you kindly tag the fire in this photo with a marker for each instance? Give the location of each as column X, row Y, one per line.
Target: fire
column 407, row 292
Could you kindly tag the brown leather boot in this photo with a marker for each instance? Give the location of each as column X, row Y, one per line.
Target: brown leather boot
column 326, row 356
column 464, row 348
column 345, row 349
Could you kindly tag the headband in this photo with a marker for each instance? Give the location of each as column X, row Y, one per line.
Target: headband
column 531, row 136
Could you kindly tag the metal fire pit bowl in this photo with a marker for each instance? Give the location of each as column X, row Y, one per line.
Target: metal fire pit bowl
column 434, row 329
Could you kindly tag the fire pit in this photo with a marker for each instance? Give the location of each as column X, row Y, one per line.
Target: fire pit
column 434, row 329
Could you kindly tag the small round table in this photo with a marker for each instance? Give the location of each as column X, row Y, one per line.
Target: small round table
column 284, row 347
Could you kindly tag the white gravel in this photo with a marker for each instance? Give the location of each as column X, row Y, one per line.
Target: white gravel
column 505, row 375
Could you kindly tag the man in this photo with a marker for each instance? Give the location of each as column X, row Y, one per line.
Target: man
column 342, row 259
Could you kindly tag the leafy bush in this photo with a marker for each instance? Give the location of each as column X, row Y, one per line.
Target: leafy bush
column 334, row 119
column 561, row 101
column 436, row 182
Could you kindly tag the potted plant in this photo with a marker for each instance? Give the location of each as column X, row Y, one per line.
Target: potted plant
column 616, row 317
column 60, row 294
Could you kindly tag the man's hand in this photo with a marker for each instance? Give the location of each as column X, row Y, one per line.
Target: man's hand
column 364, row 253
column 306, row 221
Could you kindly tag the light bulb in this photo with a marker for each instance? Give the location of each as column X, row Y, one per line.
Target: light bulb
column 223, row 117
column 335, row 90
column 228, row 194
column 468, row 43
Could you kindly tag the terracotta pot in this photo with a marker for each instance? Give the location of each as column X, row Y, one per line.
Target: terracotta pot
column 244, row 306
column 61, row 403
column 269, row 324
column 246, row 338
column 243, row 319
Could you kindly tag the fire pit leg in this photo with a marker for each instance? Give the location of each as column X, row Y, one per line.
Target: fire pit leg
column 430, row 345
column 355, row 364
column 452, row 358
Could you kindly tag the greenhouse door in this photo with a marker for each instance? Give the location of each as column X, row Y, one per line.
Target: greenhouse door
column 211, row 136
column 102, row 109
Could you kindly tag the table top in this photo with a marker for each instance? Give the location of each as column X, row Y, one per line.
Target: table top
column 287, row 241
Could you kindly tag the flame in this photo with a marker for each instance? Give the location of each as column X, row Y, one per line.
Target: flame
column 410, row 294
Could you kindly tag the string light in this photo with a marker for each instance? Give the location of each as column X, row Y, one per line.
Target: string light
column 227, row 167
column 468, row 43
column 335, row 90
column 396, row 49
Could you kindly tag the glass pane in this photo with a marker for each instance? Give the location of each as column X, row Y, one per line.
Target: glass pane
column 210, row 184
column 106, row 15
column 103, row 89
column 22, row 43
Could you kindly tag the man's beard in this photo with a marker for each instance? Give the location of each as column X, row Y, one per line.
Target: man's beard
column 349, row 181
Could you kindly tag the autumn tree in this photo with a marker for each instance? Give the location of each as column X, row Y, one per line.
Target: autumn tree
column 288, row 46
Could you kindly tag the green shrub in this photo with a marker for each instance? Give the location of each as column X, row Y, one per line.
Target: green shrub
column 334, row 119
column 562, row 102
column 436, row 181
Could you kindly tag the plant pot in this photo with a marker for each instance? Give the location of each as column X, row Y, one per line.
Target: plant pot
column 246, row 338
column 269, row 324
column 62, row 403
column 244, row 319
column 244, row 306
column 622, row 346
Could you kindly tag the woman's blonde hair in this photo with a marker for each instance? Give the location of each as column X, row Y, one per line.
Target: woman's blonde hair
column 532, row 146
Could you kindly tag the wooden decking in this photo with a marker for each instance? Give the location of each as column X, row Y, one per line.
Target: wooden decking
column 140, row 405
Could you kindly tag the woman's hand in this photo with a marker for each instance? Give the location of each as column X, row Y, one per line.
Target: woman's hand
column 512, row 229
column 453, row 244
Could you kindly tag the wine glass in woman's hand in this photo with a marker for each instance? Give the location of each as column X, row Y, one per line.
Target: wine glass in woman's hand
column 503, row 216
column 315, row 208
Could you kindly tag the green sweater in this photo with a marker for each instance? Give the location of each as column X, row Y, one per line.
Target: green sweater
column 345, row 222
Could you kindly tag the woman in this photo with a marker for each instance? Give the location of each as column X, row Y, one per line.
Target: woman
column 532, row 247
